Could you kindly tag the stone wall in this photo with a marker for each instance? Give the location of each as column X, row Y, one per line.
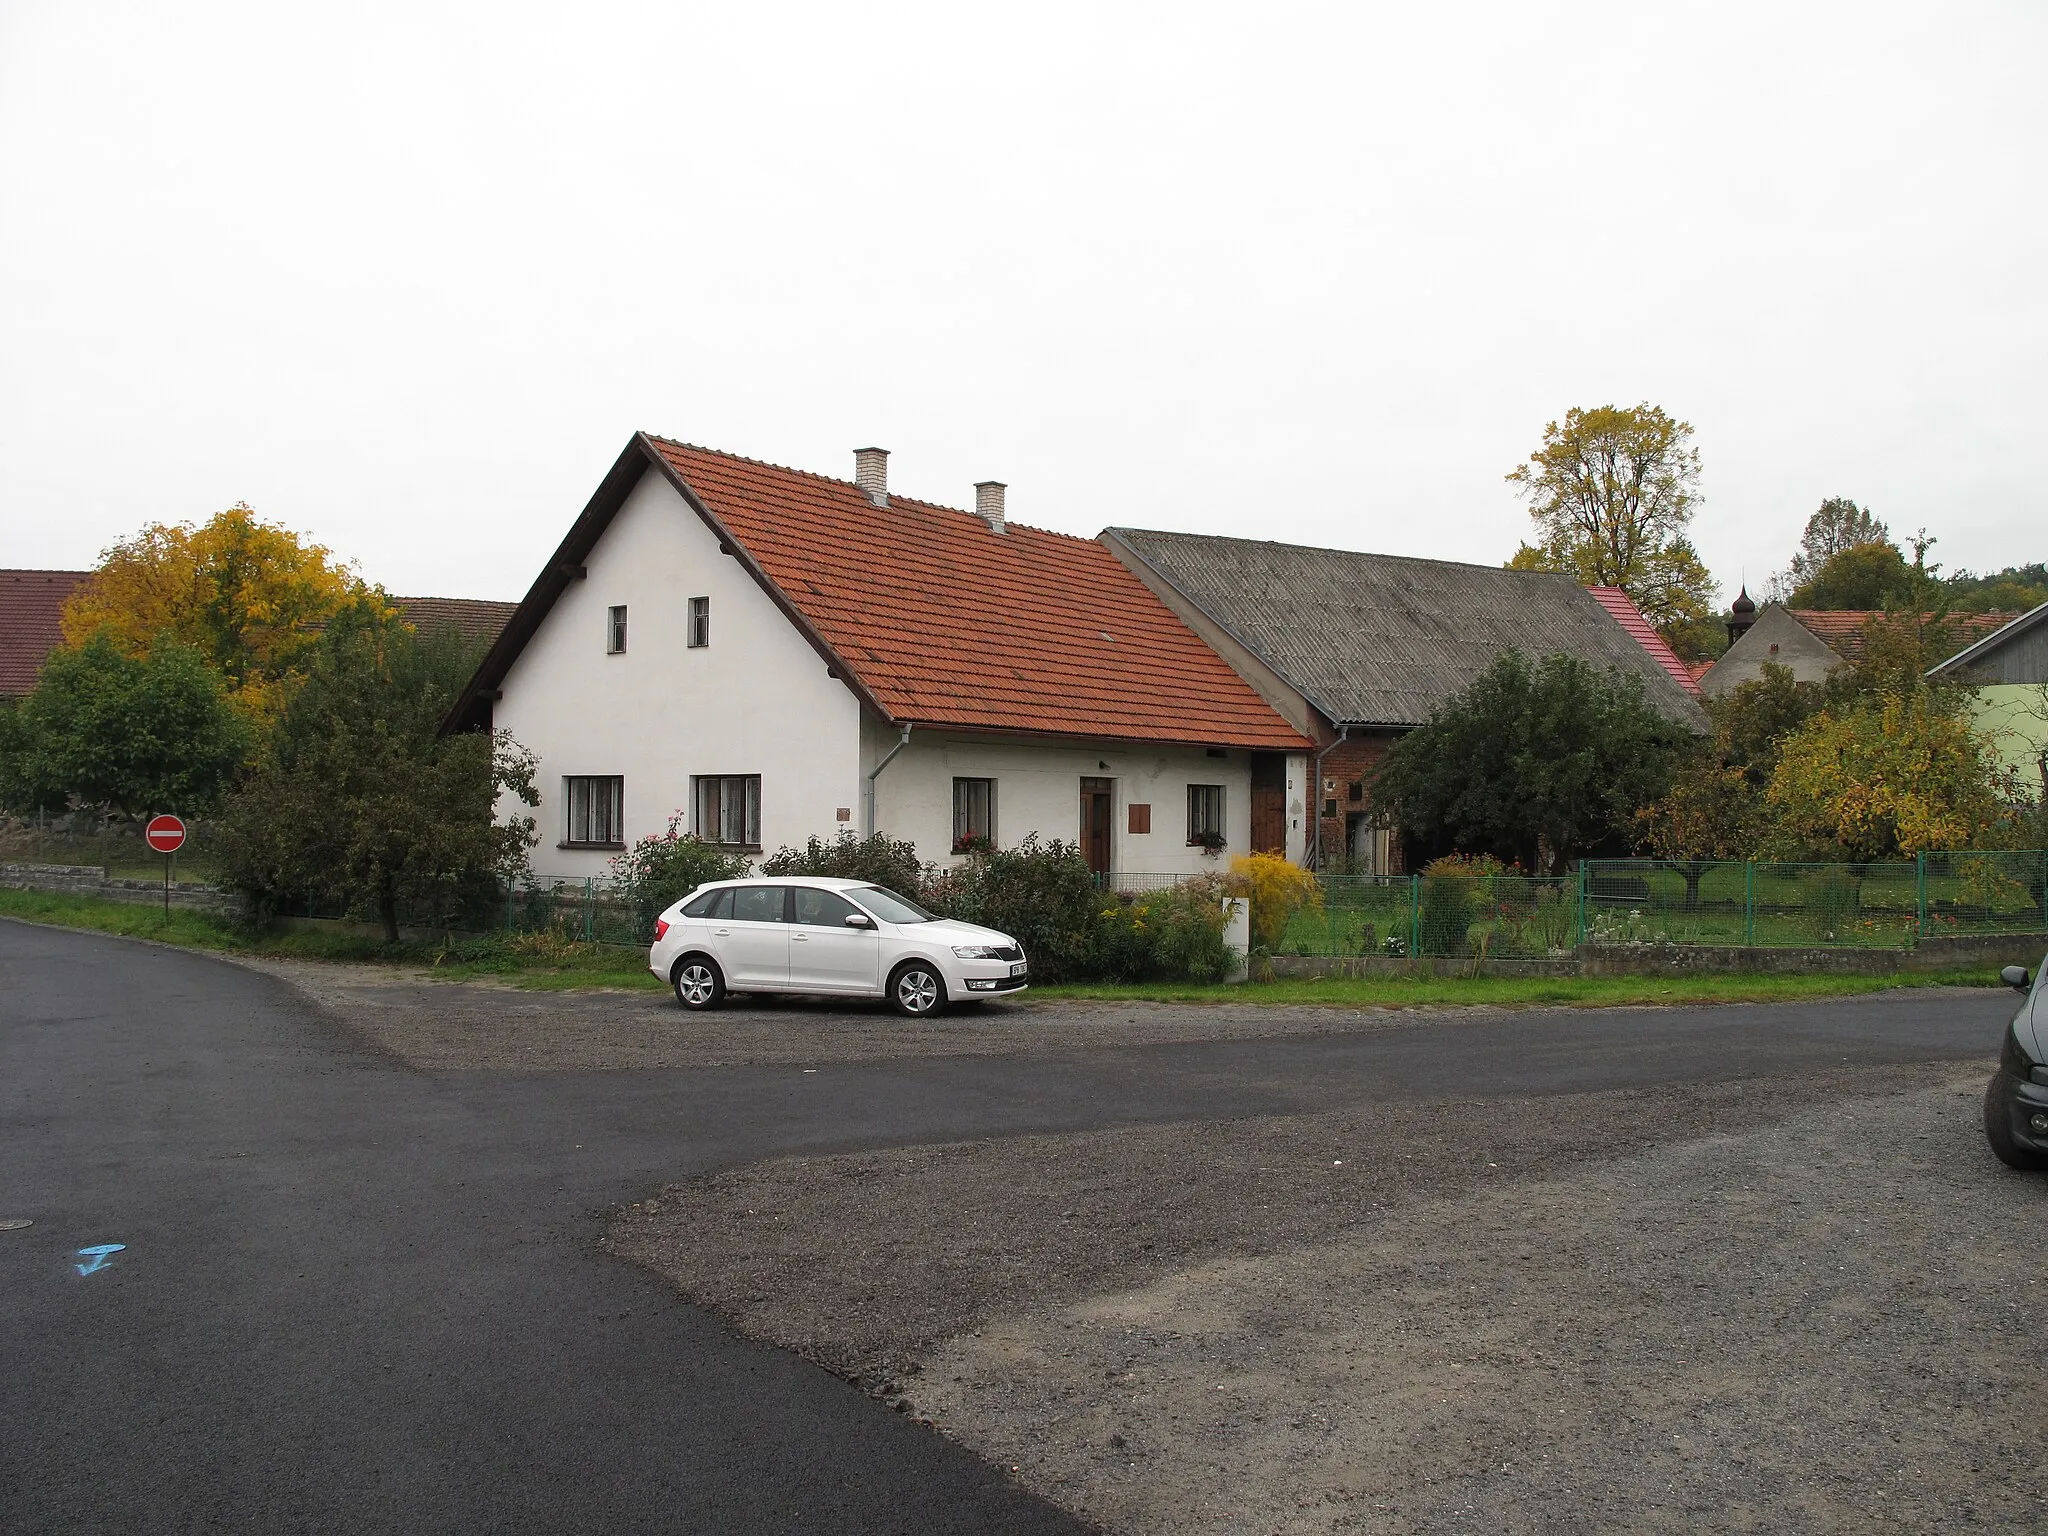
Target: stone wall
column 91, row 880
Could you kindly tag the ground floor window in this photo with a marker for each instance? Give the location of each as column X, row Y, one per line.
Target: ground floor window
column 1205, row 815
column 596, row 810
column 728, row 809
column 974, row 814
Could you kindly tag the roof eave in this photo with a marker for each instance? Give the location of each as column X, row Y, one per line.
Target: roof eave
column 1969, row 653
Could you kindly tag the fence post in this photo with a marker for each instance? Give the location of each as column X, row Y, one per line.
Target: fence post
column 1579, row 925
column 586, row 909
column 1920, row 896
column 1749, row 904
column 1414, row 918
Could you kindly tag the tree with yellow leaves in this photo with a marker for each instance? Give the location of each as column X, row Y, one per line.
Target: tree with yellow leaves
column 1889, row 776
column 1611, row 491
column 249, row 596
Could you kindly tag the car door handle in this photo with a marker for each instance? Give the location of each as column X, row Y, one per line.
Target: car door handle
column 721, row 933
column 799, row 938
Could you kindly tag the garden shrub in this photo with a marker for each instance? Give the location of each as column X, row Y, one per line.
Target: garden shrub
column 1277, row 890
column 662, row 869
column 1832, row 898
column 1167, row 935
column 1041, row 894
column 878, row 859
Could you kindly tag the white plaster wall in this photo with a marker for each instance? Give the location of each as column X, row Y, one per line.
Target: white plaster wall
column 1038, row 789
column 756, row 700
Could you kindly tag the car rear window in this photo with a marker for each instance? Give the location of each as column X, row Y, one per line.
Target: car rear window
column 758, row 903
column 716, row 903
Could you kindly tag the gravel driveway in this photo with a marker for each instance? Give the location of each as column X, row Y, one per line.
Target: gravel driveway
column 1800, row 1304
column 479, row 1027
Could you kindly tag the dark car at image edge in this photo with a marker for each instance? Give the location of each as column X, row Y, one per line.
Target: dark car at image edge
column 2016, row 1103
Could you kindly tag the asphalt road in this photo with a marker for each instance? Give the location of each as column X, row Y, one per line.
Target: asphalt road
column 357, row 1298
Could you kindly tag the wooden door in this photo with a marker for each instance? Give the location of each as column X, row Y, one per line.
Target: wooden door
column 1097, row 797
column 1269, row 802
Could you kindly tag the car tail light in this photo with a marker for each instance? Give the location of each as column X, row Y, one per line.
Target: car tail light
column 660, row 928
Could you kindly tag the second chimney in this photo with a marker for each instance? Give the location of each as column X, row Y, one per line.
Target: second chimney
column 871, row 474
column 988, row 503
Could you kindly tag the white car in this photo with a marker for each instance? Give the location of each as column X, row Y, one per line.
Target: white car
column 828, row 938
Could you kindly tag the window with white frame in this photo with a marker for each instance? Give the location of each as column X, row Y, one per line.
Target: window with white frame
column 596, row 812
column 728, row 809
column 974, row 814
column 1205, row 815
column 615, row 631
column 700, row 622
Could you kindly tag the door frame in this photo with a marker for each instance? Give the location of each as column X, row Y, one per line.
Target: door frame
column 1099, row 790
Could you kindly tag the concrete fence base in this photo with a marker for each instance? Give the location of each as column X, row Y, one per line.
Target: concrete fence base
column 1990, row 951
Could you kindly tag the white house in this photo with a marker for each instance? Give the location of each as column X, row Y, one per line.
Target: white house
column 774, row 654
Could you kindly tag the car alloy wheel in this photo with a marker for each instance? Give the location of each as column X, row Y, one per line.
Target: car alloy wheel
column 917, row 991
column 698, row 985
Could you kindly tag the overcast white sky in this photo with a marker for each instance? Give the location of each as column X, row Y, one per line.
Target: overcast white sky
column 407, row 277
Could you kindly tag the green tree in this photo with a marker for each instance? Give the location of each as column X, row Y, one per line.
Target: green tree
column 135, row 734
column 1533, row 763
column 1839, row 524
column 1612, row 492
column 359, row 801
column 1863, row 576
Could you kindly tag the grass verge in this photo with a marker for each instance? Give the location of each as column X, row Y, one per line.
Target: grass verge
column 544, row 962
column 539, row 961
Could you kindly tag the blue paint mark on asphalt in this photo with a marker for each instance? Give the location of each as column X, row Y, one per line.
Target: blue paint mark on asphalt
column 99, row 1253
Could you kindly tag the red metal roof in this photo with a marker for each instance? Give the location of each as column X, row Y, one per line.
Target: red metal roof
column 31, row 603
column 1630, row 617
column 946, row 622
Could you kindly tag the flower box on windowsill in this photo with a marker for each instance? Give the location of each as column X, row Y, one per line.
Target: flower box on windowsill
column 1208, row 842
column 595, row 847
column 974, row 845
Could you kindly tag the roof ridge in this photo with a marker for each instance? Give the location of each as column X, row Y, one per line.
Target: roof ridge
column 894, row 497
column 1332, row 549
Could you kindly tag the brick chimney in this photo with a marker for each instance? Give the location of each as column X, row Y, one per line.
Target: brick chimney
column 871, row 474
column 988, row 503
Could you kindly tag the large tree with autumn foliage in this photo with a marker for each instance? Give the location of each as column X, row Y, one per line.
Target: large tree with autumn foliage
column 1612, row 491
column 250, row 597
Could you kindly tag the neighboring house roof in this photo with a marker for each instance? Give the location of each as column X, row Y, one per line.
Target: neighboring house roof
column 31, row 603
column 931, row 616
column 1842, row 630
column 476, row 618
column 1998, row 647
column 1384, row 639
column 1644, row 633
column 1697, row 670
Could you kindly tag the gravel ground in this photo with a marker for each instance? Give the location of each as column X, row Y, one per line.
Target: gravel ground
column 1785, row 1305
column 472, row 1026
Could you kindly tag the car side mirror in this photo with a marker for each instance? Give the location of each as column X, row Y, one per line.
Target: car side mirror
column 859, row 920
column 2015, row 976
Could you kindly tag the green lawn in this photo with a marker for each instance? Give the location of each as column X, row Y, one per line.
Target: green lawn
column 544, row 963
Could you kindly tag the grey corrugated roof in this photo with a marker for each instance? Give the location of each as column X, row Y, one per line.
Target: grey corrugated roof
column 1383, row 639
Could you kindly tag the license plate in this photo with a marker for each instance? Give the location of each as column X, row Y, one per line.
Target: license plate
column 1019, row 969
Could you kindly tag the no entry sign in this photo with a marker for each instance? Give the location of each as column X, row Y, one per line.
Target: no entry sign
column 165, row 834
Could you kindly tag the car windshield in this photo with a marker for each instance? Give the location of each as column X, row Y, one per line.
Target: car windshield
column 888, row 906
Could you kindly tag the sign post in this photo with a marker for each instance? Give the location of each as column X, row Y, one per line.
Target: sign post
column 166, row 834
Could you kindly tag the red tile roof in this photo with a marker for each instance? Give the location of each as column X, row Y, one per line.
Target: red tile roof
column 30, row 605
column 476, row 618
column 945, row 622
column 1841, row 629
column 1630, row 617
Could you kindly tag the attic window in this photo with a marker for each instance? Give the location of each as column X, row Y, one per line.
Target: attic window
column 615, row 631
column 700, row 622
